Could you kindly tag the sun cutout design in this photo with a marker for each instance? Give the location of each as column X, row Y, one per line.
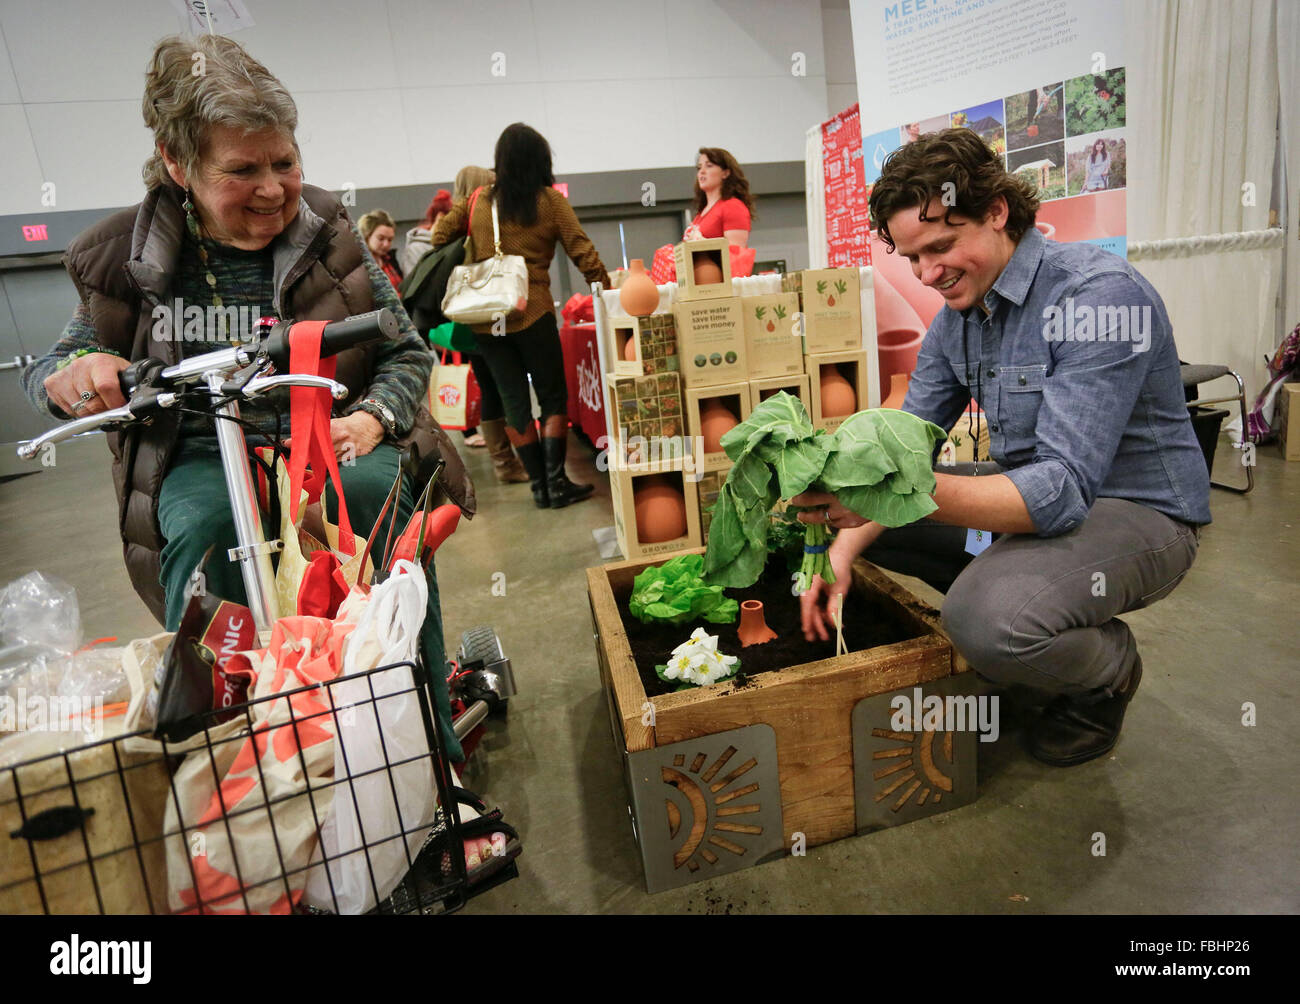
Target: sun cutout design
column 939, row 783
column 693, row 784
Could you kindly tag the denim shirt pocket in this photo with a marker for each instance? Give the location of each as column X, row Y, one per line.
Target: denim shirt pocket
column 1022, row 396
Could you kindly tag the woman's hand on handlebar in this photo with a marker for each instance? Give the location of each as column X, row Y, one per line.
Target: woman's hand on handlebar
column 816, row 605
column 87, row 385
column 353, row 436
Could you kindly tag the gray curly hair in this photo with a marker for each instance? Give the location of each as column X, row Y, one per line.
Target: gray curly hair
column 193, row 84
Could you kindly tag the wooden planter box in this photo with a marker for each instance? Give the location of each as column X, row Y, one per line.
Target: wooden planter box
column 809, row 709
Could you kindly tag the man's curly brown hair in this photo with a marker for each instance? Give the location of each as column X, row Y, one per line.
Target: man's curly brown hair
column 915, row 174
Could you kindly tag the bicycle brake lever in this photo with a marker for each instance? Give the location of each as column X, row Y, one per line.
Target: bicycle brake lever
column 260, row 385
column 241, row 378
column 144, row 401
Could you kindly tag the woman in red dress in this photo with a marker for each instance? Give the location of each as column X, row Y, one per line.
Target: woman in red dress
column 723, row 206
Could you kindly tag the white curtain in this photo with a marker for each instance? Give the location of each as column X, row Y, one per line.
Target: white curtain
column 1202, row 116
column 815, row 197
column 1288, row 52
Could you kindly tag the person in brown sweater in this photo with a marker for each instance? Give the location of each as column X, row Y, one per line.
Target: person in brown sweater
column 533, row 218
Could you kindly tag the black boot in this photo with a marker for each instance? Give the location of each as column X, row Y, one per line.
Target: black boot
column 561, row 489
column 531, row 456
column 1070, row 732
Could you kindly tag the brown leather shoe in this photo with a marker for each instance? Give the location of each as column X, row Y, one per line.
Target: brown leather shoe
column 1070, row 731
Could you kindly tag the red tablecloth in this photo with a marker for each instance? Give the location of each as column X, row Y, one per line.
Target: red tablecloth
column 582, row 372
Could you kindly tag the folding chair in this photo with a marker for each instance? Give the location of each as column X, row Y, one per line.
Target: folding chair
column 1195, row 375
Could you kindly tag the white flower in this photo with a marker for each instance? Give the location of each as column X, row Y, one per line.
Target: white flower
column 677, row 666
column 697, row 660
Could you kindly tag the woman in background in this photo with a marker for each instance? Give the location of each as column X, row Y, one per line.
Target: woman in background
column 418, row 237
column 533, row 217
column 492, row 422
column 378, row 230
column 723, row 205
column 1098, row 177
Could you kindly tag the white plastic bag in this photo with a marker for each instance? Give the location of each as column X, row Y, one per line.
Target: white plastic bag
column 363, row 810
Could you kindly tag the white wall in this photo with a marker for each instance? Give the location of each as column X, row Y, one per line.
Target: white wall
column 841, row 69
column 402, row 92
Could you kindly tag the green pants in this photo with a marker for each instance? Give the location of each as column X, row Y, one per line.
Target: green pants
column 194, row 513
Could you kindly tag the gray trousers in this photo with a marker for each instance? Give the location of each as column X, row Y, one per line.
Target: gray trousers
column 1042, row 612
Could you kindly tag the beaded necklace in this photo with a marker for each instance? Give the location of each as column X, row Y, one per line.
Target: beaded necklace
column 192, row 223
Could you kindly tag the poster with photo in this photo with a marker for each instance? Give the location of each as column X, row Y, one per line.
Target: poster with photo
column 1096, row 162
column 1064, row 131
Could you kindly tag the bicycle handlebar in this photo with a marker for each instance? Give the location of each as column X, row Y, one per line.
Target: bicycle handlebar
column 336, row 337
column 143, row 382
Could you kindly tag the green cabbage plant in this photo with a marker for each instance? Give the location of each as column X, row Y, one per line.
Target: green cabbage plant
column 877, row 464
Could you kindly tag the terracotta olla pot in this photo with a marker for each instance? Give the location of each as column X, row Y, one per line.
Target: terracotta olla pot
column 753, row 628
column 897, row 351
column 837, row 393
column 716, row 420
column 707, row 271
column 897, row 390
column 638, row 294
column 660, row 510
column 629, row 349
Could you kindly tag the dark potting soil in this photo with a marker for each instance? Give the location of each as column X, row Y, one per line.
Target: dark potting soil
column 867, row 624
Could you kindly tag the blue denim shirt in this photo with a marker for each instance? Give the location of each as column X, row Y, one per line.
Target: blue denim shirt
column 1077, row 372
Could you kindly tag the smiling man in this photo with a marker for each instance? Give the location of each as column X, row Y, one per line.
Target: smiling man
column 1095, row 503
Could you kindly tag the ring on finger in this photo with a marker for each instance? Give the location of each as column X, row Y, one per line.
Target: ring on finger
column 87, row 395
column 827, row 515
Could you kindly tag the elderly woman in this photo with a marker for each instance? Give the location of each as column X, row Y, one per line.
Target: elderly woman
column 227, row 221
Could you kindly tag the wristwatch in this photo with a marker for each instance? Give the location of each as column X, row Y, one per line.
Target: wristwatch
column 380, row 411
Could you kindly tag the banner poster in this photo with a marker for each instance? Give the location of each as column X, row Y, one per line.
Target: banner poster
column 846, row 191
column 1042, row 81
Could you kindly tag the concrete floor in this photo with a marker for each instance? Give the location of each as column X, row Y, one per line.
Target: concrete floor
column 1200, row 813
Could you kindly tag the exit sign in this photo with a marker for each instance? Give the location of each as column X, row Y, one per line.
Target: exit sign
column 35, row 232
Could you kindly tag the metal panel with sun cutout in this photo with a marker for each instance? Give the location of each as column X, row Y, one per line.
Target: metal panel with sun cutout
column 901, row 775
column 708, row 806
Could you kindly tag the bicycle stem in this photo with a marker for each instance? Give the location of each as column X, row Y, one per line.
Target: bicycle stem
column 253, row 552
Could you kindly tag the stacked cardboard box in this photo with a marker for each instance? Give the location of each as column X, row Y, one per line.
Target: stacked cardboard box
column 830, row 305
column 644, row 417
column 773, row 344
column 711, row 341
column 687, row 254
column 798, row 386
column 853, row 367
column 734, row 397
column 653, row 345
column 624, row 486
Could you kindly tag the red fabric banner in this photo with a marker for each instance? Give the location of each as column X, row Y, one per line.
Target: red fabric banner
column 848, row 229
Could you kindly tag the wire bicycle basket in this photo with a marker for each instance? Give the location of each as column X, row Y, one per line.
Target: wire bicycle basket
column 104, row 828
